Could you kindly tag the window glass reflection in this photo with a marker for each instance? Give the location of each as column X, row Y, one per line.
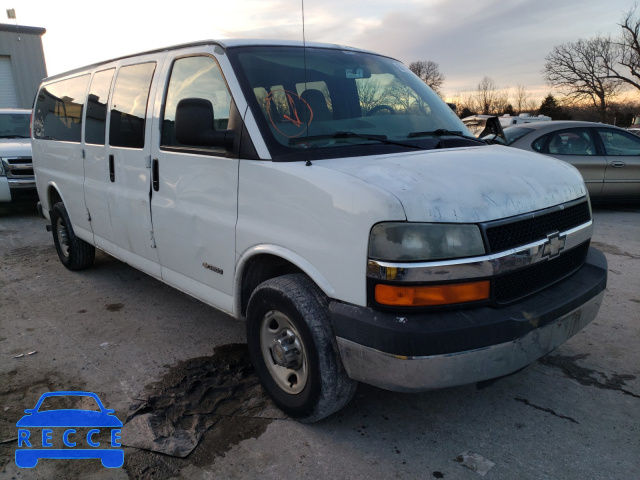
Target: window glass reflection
column 97, row 107
column 195, row 77
column 58, row 110
column 129, row 106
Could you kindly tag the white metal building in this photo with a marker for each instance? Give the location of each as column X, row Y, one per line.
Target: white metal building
column 22, row 65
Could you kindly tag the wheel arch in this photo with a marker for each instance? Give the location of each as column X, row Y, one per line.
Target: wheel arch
column 263, row 262
column 53, row 196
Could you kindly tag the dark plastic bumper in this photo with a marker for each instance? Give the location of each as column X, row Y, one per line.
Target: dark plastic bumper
column 441, row 333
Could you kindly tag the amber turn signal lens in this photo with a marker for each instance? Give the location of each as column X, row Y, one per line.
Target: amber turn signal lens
column 401, row 296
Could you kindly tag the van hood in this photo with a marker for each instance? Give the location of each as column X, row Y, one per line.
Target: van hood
column 15, row 147
column 467, row 185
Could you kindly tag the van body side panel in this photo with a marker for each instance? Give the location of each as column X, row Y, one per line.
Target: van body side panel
column 194, row 217
column 129, row 195
column 61, row 163
column 194, row 207
column 320, row 215
column 97, row 184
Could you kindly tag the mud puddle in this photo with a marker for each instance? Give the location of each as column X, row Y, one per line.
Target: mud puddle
column 196, row 413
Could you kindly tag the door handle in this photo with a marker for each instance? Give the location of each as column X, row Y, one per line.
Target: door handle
column 112, row 172
column 617, row 164
column 154, row 174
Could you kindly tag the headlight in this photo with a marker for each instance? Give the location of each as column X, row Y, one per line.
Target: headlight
column 414, row 242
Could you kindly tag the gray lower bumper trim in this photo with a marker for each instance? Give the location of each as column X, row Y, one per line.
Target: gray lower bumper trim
column 15, row 183
column 394, row 372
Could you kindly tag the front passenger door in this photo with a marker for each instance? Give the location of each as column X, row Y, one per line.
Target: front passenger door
column 577, row 147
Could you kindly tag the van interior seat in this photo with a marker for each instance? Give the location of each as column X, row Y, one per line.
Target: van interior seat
column 317, row 103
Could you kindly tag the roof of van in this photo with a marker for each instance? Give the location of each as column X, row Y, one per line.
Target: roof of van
column 228, row 43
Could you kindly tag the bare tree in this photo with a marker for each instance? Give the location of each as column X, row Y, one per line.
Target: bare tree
column 403, row 97
column 579, row 70
column 522, row 100
column 465, row 103
column 371, row 93
column 429, row 73
column 625, row 51
column 489, row 99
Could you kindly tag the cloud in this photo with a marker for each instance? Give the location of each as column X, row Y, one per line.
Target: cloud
column 504, row 39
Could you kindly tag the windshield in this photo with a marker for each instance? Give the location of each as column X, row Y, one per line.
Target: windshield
column 14, row 125
column 514, row 133
column 344, row 103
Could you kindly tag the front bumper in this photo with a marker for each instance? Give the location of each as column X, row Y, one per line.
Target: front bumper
column 442, row 349
column 22, row 183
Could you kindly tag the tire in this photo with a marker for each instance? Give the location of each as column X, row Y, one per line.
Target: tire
column 302, row 372
column 74, row 253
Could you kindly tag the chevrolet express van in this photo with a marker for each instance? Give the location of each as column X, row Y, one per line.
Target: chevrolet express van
column 328, row 197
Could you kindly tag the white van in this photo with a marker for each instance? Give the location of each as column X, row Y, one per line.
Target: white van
column 330, row 198
column 508, row 120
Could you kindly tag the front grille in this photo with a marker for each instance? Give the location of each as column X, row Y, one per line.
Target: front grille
column 526, row 281
column 19, row 161
column 19, row 167
column 521, row 232
column 21, row 172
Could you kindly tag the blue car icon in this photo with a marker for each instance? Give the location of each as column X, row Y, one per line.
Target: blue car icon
column 31, row 449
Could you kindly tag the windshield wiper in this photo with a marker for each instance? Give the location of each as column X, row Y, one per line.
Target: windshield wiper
column 13, row 136
column 336, row 135
column 442, row 132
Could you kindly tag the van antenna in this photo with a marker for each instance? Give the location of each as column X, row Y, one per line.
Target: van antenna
column 304, row 57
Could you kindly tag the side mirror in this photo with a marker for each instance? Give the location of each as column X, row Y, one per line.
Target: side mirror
column 194, row 125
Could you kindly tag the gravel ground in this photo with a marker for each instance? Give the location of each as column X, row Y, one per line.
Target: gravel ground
column 176, row 372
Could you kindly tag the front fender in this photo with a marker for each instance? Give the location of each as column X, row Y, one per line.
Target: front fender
column 243, row 259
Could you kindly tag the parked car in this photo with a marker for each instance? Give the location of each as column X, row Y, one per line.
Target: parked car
column 16, row 169
column 329, row 197
column 508, row 120
column 635, row 125
column 486, row 127
column 608, row 157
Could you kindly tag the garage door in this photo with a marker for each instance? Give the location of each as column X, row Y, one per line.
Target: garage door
column 8, row 96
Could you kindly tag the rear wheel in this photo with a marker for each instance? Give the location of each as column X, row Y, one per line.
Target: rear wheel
column 293, row 348
column 74, row 253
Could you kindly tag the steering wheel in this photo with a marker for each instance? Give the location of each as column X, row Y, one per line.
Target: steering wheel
column 378, row 108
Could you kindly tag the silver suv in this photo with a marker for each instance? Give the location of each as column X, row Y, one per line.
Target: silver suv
column 16, row 169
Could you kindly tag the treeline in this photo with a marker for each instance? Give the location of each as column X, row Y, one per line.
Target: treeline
column 590, row 78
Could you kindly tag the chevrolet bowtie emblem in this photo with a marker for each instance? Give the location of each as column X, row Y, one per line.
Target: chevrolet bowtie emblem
column 554, row 245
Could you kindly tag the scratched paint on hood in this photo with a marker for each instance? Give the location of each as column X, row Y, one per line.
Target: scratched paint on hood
column 467, row 184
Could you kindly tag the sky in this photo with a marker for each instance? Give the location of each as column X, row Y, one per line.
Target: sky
column 506, row 40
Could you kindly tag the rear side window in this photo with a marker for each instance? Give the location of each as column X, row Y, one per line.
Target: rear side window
column 58, row 110
column 515, row 133
column 538, row 145
column 195, row 77
column 97, row 107
column 576, row 141
column 129, row 105
column 619, row 143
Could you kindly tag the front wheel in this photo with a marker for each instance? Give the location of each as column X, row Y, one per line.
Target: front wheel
column 74, row 253
column 293, row 348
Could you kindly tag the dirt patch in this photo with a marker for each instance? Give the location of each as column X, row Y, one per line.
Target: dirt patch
column 613, row 250
column 114, row 307
column 200, row 409
column 30, row 255
column 586, row 376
